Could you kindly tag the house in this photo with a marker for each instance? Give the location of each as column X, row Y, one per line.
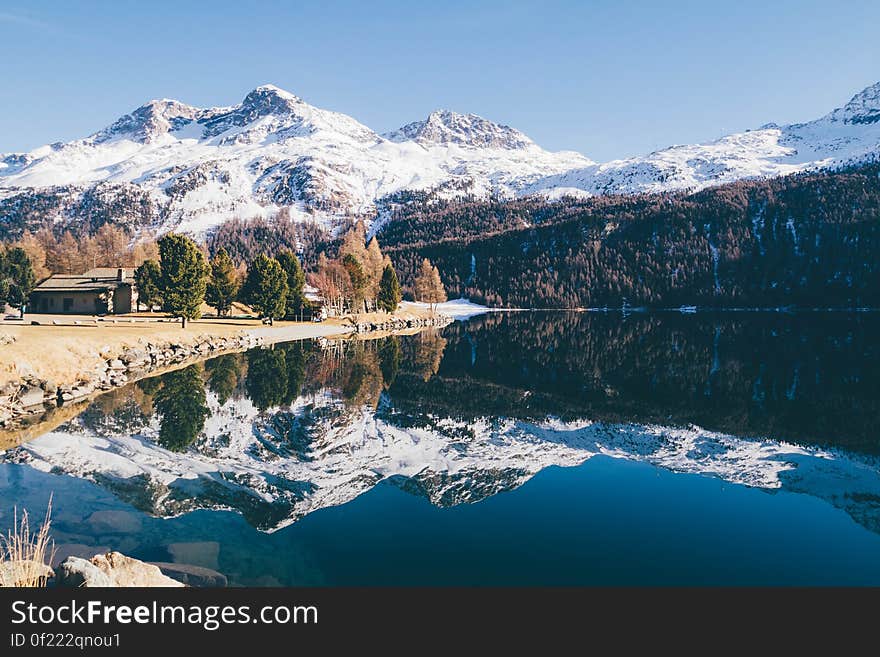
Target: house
column 102, row 291
column 316, row 301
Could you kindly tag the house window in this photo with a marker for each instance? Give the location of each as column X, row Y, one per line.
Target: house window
column 68, row 304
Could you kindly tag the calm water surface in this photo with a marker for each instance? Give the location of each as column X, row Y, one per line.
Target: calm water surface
column 527, row 448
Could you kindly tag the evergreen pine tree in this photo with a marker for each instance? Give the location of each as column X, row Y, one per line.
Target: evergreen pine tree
column 147, row 280
column 296, row 280
column 182, row 404
column 389, row 290
column 17, row 279
column 266, row 382
column 223, row 375
column 265, row 289
column 184, row 277
column 389, row 359
column 223, row 286
column 295, row 356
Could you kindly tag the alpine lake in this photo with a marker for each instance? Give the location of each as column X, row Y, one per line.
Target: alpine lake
column 512, row 448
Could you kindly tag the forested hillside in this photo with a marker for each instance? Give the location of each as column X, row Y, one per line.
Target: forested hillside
column 809, row 240
column 806, row 240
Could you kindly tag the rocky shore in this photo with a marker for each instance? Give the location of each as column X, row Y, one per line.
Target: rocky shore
column 393, row 323
column 112, row 569
column 31, row 396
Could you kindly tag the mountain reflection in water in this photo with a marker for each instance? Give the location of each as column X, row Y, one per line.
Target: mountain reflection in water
column 768, row 401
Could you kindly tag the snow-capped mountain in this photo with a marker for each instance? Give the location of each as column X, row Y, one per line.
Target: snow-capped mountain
column 848, row 134
column 198, row 167
column 169, row 165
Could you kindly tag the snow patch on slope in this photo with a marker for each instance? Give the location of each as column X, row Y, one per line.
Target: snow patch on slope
column 456, row 308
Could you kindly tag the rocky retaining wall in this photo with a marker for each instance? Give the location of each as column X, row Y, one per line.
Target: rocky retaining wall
column 32, row 396
column 399, row 324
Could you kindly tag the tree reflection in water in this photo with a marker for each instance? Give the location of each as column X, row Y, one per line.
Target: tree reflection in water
column 182, row 407
column 224, row 375
column 810, row 378
column 266, row 382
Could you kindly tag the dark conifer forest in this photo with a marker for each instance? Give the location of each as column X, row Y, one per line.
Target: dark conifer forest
column 810, row 240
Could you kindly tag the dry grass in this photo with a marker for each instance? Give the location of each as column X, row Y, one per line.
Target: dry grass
column 24, row 553
column 61, row 353
column 405, row 311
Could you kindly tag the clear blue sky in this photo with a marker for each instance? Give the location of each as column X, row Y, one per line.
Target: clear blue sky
column 609, row 79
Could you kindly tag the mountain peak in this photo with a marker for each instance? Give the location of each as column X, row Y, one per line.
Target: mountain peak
column 269, row 99
column 271, row 88
column 444, row 127
column 195, row 166
column 863, row 108
column 149, row 121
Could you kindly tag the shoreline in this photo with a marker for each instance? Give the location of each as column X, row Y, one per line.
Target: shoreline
column 683, row 310
column 48, row 367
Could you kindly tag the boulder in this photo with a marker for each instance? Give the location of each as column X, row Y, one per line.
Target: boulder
column 31, row 396
column 125, row 571
column 23, row 572
column 135, row 356
column 75, row 572
column 190, row 575
column 81, row 550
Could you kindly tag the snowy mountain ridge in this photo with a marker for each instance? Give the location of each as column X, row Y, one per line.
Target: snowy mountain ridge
column 176, row 166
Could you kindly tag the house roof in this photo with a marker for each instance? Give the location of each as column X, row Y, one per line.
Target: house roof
column 109, row 272
column 94, row 280
column 312, row 293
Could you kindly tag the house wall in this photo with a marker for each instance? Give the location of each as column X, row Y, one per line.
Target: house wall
column 123, row 300
column 81, row 303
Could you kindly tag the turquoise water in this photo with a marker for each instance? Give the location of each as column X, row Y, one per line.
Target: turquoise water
column 721, row 451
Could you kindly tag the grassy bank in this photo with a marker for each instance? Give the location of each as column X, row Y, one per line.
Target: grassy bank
column 61, row 353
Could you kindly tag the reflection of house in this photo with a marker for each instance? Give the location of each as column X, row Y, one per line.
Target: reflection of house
column 106, row 290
